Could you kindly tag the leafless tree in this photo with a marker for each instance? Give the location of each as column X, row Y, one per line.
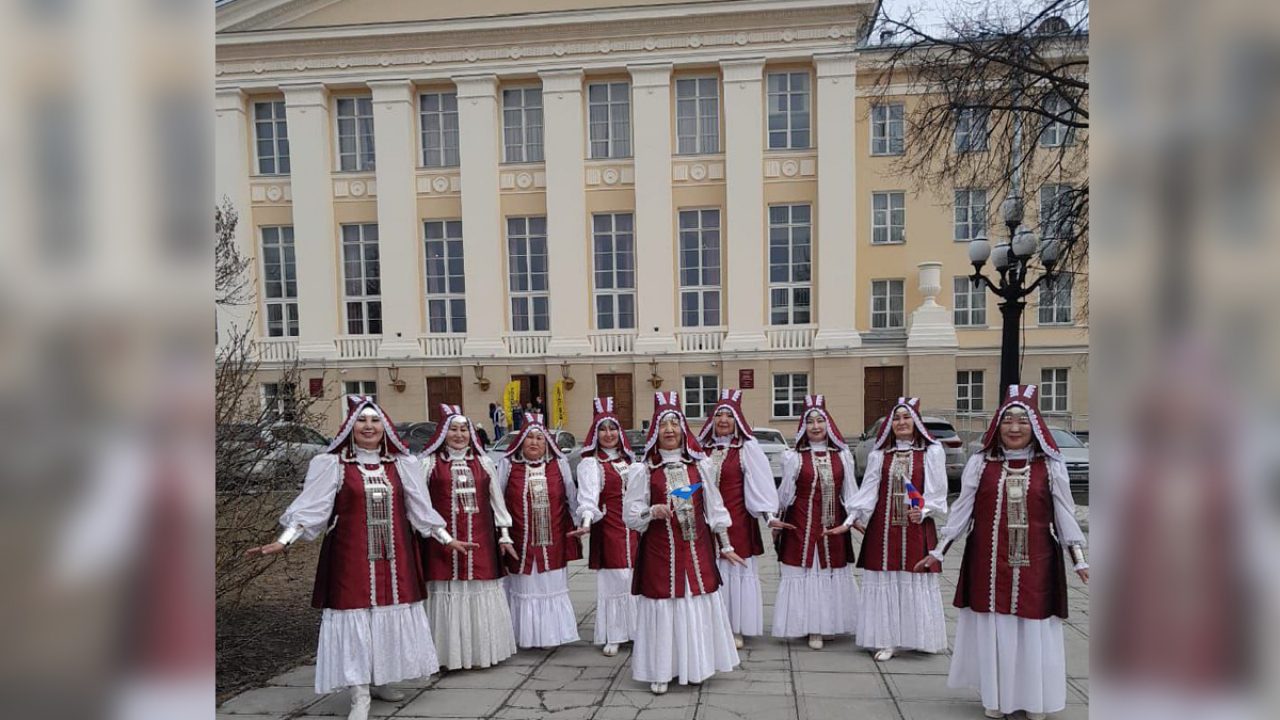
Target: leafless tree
column 1015, row 76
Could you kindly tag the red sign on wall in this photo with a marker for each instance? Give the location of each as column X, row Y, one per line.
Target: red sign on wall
column 746, row 379
column 316, row 386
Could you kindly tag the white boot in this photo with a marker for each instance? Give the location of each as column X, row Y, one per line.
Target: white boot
column 992, row 713
column 815, row 642
column 658, row 688
column 610, row 649
column 359, row 703
column 1035, row 716
column 738, row 641
column 387, row 693
column 884, row 655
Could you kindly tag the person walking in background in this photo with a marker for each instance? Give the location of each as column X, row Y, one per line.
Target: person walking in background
column 817, row 593
column 742, row 475
column 606, row 458
column 499, row 419
column 468, row 609
column 903, row 490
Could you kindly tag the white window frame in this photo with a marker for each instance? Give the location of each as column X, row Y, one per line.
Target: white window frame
column 278, row 240
column 794, row 122
column 440, row 125
column 969, row 302
column 884, row 139
column 277, row 125
column 698, row 398
column 969, row 214
column 1054, row 209
column 1054, row 133
column 699, row 110
column 360, row 388
column 789, row 389
column 525, row 244
column 1051, row 381
column 702, row 292
column 1054, row 304
column 446, row 290
column 363, row 157
column 882, row 218
column 971, row 388
column 609, row 137
column 367, row 298
column 279, row 401
column 791, row 282
column 531, row 126
column 888, row 314
column 972, row 130
column 613, row 246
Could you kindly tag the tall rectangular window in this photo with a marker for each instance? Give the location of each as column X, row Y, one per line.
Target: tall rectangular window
column 355, row 134
column 789, row 390
column 1055, row 300
column 700, row 393
column 970, row 214
column 615, row 271
column 362, row 279
column 699, row 268
column 609, row 119
column 527, row 272
column 697, row 116
column 362, row 388
column 886, row 305
column 887, row 129
column 1055, row 210
column 970, row 386
column 969, row 301
column 1053, row 390
column 280, row 401
column 438, row 118
column 446, row 281
column 522, row 125
column 888, row 217
column 280, row 281
column 1054, row 128
column 971, row 129
column 788, row 106
column 790, row 232
column 271, row 131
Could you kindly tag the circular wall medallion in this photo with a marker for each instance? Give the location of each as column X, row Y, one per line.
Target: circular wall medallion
column 343, row 64
column 357, row 188
column 650, row 44
column 427, row 59
column 740, row 38
column 790, row 168
column 384, row 60
column 695, row 41
column 611, row 176
column 524, row 180
column 440, row 184
column 788, row 35
column 274, row 193
column 560, row 50
column 514, row 53
column 472, row 56
column 698, row 172
column 258, row 67
column 604, row 46
column 300, row 65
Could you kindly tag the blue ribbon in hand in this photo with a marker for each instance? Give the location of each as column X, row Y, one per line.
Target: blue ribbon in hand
column 684, row 493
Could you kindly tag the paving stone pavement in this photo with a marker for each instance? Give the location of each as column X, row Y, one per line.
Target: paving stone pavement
column 782, row 680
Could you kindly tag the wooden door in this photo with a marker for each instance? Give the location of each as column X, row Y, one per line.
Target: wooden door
column 447, row 390
column 881, row 387
column 620, row 388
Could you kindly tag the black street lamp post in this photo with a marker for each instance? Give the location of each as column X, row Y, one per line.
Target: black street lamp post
column 1010, row 260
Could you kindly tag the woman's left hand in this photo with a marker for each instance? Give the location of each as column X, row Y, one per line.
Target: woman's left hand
column 915, row 515
column 580, row 531
column 1084, row 575
column 840, row 529
column 733, row 557
column 462, row 546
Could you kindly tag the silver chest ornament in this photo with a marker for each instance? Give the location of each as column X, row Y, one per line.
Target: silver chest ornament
column 378, row 501
column 900, row 470
column 827, row 487
column 464, row 486
column 539, row 504
column 677, row 477
column 1016, row 481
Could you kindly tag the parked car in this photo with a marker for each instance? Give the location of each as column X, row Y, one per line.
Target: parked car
column 774, row 444
column 275, row 453
column 416, row 434
column 635, row 438
column 565, row 440
column 1074, row 453
column 941, row 429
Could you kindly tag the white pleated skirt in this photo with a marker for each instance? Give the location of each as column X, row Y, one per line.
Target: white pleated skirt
column 541, row 611
column 615, row 607
column 741, row 591
column 1016, row 664
column 685, row 639
column 374, row 646
column 471, row 622
column 815, row 601
column 901, row 610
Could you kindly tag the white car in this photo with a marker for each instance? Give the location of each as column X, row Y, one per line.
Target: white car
column 773, row 443
column 939, row 428
column 1074, row 453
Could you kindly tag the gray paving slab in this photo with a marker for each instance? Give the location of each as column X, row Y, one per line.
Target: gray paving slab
column 815, row 707
column 718, row 706
column 273, row 701
column 455, row 703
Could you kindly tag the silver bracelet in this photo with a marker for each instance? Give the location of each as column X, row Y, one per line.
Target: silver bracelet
column 1077, row 554
column 443, row 536
column 504, row 537
column 723, row 536
column 289, row 535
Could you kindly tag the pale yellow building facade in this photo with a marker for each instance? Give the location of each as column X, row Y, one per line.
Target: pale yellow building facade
column 441, row 197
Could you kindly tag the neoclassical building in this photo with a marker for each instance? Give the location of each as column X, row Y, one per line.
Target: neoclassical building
column 441, row 197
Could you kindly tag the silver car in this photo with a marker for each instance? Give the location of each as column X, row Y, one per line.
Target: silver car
column 1074, row 453
column 944, row 431
column 774, row 444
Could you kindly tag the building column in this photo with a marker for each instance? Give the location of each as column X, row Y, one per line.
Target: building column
column 231, row 181
column 655, row 216
column 744, row 199
column 399, row 233
column 837, row 235
column 311, row 181
column 564, row 135
column 482, row 234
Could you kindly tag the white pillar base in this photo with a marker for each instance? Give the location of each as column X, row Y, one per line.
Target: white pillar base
column 931, row 327
column 655, row 345
column 483, row 347
column 317, row 351
column 832, row 339
column 569, row 346
column 749, row 341
column 397, row 348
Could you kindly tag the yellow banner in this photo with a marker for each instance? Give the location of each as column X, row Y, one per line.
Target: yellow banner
column 559, row 413
column 510, row 399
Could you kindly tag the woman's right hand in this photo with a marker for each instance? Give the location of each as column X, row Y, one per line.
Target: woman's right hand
column 269, row 549
column 928, row 562
column 660, row 512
